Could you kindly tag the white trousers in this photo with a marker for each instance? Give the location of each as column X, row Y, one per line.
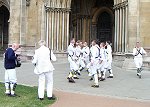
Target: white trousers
column 108, row 64
column 10, row 76
column 45, row 77
column 101, row 68
column 73, row 65
column 86, row 60
column 10, row 80
column 81, row 62
column 138, row 62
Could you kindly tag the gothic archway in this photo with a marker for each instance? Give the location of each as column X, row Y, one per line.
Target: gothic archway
column 86, row 16
column 103, row 24
column 104, row 28
column 4, row 26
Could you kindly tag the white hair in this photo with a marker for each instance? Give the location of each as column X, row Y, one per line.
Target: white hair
column 41, row 42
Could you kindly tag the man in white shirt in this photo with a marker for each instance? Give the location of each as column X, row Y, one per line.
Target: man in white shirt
column 94, row 63
column 102, row 62
column 86, row 52
column 109, row 59
column 72, row 60
column 138, row 53
column 44, row 69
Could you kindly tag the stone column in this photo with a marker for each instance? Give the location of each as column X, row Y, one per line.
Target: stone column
column 52, row 29
column 60, row 31
column 59, row 23
column 23, row 22
column 120, row 31
column 63, row 30
column 59, row 28
column 123, row 30
column 126, row 29
column 115, row 39
column 14, row 26
column 118, row 27
column 67, row 40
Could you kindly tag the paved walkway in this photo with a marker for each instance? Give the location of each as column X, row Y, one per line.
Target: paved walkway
column 66, row 99
column 125, row 88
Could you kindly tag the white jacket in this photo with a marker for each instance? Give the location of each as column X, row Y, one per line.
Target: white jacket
column 41, row 60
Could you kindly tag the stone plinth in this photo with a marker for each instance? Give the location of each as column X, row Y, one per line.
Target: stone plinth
column 126, row 61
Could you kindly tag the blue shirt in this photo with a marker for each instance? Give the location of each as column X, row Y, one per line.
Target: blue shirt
column 10, row 59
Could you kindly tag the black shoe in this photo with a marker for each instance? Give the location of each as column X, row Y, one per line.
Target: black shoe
column 51, row 98
column 99, row 78
column 110, row 77
column 71, row 80
column 41, row 99
column 102, row 79
column 75, row 77
column 91, row 79
column 12, row 95
column 95, row 86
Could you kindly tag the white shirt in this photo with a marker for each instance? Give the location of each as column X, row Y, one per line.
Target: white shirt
column 86, row 51
column 94, row 53
column 71, row 50
column 138, row 52
column 109, row 52
column 78, row 51
column 102, row 54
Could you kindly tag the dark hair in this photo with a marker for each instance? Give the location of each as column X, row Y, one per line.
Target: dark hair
column 78, row 41
column 72, row 39
column 94, row 41
column 102, row 43
column 108, row 42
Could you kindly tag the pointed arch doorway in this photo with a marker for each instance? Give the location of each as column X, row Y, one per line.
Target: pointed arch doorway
column 4, row 26
column 103, row 25
column 104, row 28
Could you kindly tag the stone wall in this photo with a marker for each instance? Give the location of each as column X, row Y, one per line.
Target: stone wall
column 133, row 23
column 139, row 23
column 145, row 22
column 14, row 26
column 33, row 24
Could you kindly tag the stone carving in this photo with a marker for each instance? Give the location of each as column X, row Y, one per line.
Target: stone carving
column 27, row 2
column 121, row 5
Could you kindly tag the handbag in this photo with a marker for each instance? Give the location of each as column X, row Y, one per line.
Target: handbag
column 18, row 62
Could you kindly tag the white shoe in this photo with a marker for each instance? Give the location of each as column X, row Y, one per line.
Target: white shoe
column 7, row 92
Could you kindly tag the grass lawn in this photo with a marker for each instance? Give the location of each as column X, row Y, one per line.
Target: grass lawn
column 27, row 97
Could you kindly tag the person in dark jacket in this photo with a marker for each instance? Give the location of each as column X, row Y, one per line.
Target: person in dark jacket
column 10, row 72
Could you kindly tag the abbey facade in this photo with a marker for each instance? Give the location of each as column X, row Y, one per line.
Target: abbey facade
column 123, row 22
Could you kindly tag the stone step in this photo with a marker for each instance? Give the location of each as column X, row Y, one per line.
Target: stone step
column 126, row 61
